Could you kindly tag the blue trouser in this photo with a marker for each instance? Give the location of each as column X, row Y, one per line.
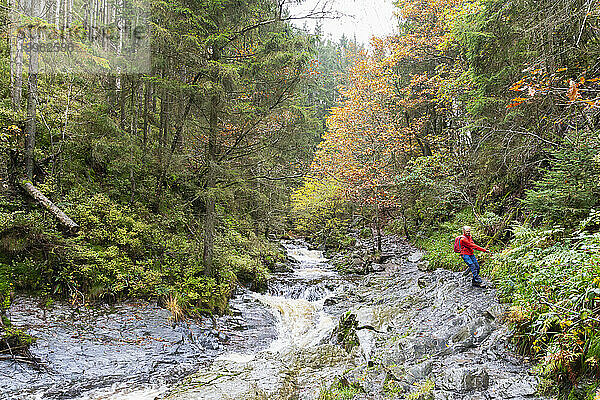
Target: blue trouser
column 474, row 266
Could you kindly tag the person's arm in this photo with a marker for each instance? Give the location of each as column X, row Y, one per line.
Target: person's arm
column 479, row 248
column 470, row 244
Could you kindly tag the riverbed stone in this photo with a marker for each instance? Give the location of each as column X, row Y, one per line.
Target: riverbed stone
column 236, row 379
column 375, row 267
column 423, row 265
column 496, row 311
column 369, row 379
column 419, row 372
column 416, row 256
column 281, row 267
column 357, row 265
column 465, row 379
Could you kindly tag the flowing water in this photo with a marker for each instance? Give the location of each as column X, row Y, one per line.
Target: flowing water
column 297, row 299
column 133, row 351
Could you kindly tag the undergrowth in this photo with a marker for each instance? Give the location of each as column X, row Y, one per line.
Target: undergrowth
column 124, row 251
column 339, row 391
column 552, row 280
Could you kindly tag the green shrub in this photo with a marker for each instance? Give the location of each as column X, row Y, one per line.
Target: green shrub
column 321, row 214
column 6, row 287
column 570, row 187
column 552, row 281
column 423, row 391
column 123, row 251
column 339, row 391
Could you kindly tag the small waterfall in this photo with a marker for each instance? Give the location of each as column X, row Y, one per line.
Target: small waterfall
column 301, row 321
column 296, row 299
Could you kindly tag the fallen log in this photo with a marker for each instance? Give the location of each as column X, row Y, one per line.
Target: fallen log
column 38, row 196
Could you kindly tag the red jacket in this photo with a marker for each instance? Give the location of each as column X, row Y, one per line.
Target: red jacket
column 467, row 246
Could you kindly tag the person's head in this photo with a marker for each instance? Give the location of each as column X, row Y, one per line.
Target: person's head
column 467, row 230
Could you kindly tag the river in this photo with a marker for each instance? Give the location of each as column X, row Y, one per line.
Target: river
column 280, row 344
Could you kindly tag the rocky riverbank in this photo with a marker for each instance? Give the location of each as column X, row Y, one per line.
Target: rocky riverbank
column 128, row 351
column 418, row 335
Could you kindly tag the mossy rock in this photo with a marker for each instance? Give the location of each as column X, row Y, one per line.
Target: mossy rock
column 15, row 341
column 345, row 332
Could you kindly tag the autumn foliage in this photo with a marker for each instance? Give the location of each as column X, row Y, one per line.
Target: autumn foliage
column 392, row 108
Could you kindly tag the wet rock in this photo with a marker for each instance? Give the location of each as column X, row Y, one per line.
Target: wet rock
column 393, row 357
column 369, row 379
column 333, row 300
column 280, row 268
column 423, row 265
column 318, row 357
column 357, row 266
column 419, row 372
column 366, row 318
column 422, row 396
column 345, row 333
column 415, row 256
column 396, row 372
column 442, row 395
column 520, row 388
column 465, row 379
column 481, row 330
column 387, row 257
column 462, row 335
column 423, row 281
column 376, row 267
column 496, row 311
column 236, row 379
column 223, row 337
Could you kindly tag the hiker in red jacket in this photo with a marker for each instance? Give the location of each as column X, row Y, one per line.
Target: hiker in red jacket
column 467, row 246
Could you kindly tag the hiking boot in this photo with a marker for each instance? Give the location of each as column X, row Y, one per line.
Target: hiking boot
column 481, row 285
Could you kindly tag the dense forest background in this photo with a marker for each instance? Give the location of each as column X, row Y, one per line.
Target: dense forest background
column 247, row 129
column 176, row 178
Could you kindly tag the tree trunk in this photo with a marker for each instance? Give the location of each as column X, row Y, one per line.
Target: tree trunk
column 31, row 104
column 17, row 71
column 146, row 125
column 135, row 110
column 209, row 233
column 211, row 177
column 177, row 139
column 57, row 16
column 165, row 111
column 210, row 223
column 135, row 105
column 122, row 100
column 378, row 227
column 38, row 196
column 68, row 16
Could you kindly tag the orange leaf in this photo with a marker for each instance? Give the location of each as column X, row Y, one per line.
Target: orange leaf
column 573, row 92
